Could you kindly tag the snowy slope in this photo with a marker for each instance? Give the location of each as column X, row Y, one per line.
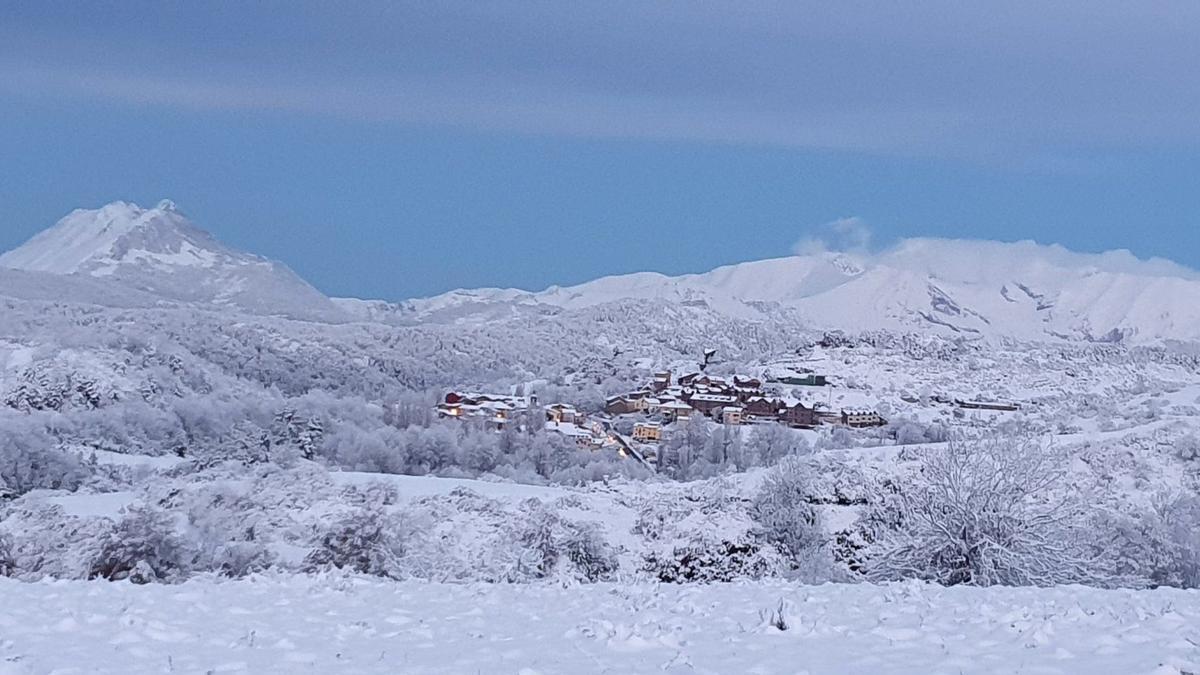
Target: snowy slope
column 336, row 625
column 160, row 252
column 971, row 288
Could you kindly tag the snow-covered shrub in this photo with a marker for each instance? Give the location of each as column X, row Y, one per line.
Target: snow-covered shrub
column 712, row 561
column 224, row 523
column 997, row 511
column 1179, row 516
column 463, row 536
column 1157, row 545
column 838, row 438
column 29, row 461
column 362, row 541
column 702, row 532
column 552, row 546
column 1188, row 447
column 43, row 542
column 591, row 556
column 667, row 514
column 8, row 563
column 911, row 432
column 236, row 558
column 143, row 547
column 786, row 517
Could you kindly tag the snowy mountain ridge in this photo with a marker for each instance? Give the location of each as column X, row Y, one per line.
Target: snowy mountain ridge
column 976, row 289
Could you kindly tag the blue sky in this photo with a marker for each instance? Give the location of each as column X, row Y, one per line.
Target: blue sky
column 396, row 150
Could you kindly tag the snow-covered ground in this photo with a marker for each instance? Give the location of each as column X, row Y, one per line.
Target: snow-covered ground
column 340, row 625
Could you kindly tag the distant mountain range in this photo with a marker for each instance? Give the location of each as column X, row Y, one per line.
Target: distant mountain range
column 970, row 288
column 974, row 289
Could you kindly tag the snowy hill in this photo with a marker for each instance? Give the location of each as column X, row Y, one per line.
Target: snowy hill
column 971, row 288
column 160, row 252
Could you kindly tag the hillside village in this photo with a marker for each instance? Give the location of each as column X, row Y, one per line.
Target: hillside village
column 649, row 413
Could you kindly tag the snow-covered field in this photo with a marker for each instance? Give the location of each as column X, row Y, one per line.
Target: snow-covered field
column 353, row 625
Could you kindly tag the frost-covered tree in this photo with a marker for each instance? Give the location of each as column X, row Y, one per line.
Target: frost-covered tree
column 785, row 514
column 685, row 445
column 997, row 511
column 767, row 444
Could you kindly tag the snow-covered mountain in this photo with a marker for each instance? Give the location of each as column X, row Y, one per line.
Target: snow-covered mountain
column 972, row 288
column 125, row 255
column 158, row 251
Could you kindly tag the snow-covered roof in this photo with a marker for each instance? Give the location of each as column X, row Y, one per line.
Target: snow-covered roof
column 714, row 398
column 676, row 405
column 568, row 429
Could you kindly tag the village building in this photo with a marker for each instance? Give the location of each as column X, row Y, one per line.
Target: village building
column 731, row 415
column 798, row 415
column 795, row 376
column 498, row 411
column 862, row 417
column 621, row 405
column 705, row 403
column 584, row 438
column 495, row 409
column 763, row 407
column 561, row 412
column 449, row 409
column 647, row 432
column 675, row 410
column 661, row 381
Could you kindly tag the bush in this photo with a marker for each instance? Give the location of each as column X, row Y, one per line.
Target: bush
column 550, row 545
column 8, row 563
column 143, row 547
column 29, row 461
column 991, row 512
column 720, row 561
column 1158, row 545
column 591, row 556
column 1188, row 447
column 361, row 541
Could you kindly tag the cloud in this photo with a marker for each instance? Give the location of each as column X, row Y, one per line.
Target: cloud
column 521, row 107
column 944, row 79
column 844, row 235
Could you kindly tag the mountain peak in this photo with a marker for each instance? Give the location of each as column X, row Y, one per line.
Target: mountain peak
column 158, row 250
column 93, row 240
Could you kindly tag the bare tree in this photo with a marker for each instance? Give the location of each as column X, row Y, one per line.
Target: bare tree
column 997, row 511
